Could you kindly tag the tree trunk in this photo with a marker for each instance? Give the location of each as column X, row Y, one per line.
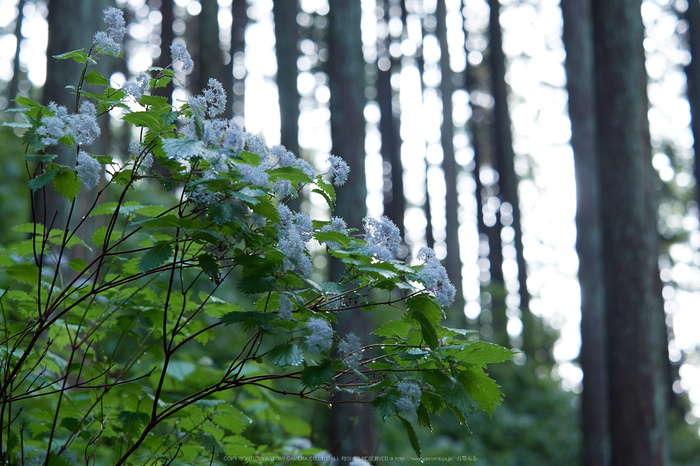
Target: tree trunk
column 286, row 36
column 240, row 22
column 635, row 317
column 578, row 39
column 14, row 82
column 453, row 261
column 210, row 63
column 503, row 145
column 692, row 72
column 352, row 425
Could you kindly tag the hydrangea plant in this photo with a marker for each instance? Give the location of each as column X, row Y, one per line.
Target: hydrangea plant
column 106, row 334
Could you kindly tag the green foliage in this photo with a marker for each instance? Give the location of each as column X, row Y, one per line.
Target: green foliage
column 127, row 350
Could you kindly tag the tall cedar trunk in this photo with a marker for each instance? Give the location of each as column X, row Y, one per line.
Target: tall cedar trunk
column 352, row 425
column 637, row 345
column 167, row 35
column 16, row 71
column 503, row 145
column 578, row 39
column 692, row 72
column 286, row 36
column 453, row 261
column 240, row 22
column 210, row 63
column 394, row 200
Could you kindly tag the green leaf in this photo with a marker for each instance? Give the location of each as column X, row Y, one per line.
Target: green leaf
column 424, row 417
column 209, row 265
column 267, row 210
column 77, row 55
column 289, row 173
column 147, row 119
column 247, row 317
column 224, row 212
column 229, row 418
column 398, row 327
column 481, row 387
column 94, row 77
column 313, row 376
column 30, row 228
column 182, row 148
column 326, row 236
column 425, row 305
column 326, row 188
column 286, row 355
column 454, row 394
column 179, row 370
column 39, row 157
column 479, row 352
column 412, row 437
column 151, row 210
column 427, row 330
column 67, row 184
column 385, row 405
column 157, row 255
column 77, row 264
column 253, row 284
column 39, row 181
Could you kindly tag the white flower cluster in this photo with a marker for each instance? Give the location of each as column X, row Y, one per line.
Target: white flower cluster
column 108, row 41
column 88, row 170
column 434, row 277
column 321, row 338
column 81, row 126
column 410, row 396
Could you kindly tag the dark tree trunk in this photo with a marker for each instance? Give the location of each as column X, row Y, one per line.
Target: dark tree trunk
column 286, row 36
column 692, row 72
column 503, row 145
column 635, row 317
column 453, row 261
column 210, row 64
column 16, row 71
column 240, row 22
column 578, row 39
column 167, row 35
column 352, row 425
column 394, row 200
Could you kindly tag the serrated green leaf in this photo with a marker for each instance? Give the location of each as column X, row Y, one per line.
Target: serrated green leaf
column 179, row 370
column 147, row 119
column 412, row 437
column 337, row 237
column 286, row 355
column 209, row 265
column 326, row 188
column 157, row 255
column 30, row 228
column 267, row 210
column 385, row 405
column 151, row 210
column 67, row 184
column 94, row 77
column 78, row 55
column 289, row 173
column 479, row 352
column 427, row 330
column 454, row 394
column 250, row 158
column 226, row 213
column 16, row 124
column 424, row 417
column 483, row 389
column 229, row 418
column 77, row 264
column 313, row 376
column 162, row 82
column 39, row 181
column 252, row 284
column 247, row 316
column 425, row 305
column 398, row 327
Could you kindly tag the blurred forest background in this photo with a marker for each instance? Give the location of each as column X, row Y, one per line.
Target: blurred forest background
column 516, row 138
